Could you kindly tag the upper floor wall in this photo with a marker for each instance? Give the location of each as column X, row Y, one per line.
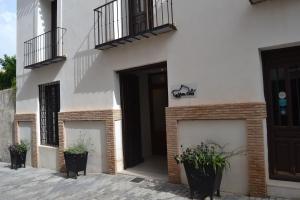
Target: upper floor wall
column 215, row 48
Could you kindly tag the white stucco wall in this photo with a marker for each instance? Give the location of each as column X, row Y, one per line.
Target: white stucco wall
column 218, row 53
column 119, row 146
column 231, row 133
column 224, row 47
column 48, row 157
column 93, row 134
column 25, row 136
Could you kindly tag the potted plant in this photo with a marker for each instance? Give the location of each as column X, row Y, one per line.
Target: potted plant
column 204, row 166
column 76, row 157
column 18, row 155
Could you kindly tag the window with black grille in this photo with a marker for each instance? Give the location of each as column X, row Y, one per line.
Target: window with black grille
column 49, row 95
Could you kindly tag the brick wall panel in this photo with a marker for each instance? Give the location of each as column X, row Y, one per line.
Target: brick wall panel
column 252, row 113
column 34, row 143
column 107, row 116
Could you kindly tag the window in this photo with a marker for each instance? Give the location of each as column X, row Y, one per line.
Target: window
column 49, row 95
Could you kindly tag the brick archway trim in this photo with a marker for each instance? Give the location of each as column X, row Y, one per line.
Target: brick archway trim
column 34, row 143
column 252, row 113
column 107, row 116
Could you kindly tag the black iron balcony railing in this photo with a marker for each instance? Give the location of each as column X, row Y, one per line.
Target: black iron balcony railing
column 256, row 1
column 122, row 21
column 44, row 49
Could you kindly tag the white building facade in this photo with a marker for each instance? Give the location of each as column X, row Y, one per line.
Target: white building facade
column 108, row 69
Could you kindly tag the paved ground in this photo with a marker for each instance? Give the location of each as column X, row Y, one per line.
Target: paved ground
column 45, row 184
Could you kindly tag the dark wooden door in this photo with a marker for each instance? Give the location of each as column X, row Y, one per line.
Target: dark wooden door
column 138, row 16
column 282, row 93
column 132, row 146
column 54, row 35
column 158, row 102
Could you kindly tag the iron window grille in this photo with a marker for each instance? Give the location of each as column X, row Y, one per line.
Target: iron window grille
column 49, row 96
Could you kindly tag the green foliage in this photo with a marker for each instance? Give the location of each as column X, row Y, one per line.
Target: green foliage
column 14, row 84
column 77, row 149
column 207, row 155
column 20, row 148
column 80, row 147
column 8, row 75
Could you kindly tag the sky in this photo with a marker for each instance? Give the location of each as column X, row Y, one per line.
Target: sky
column 7, row 27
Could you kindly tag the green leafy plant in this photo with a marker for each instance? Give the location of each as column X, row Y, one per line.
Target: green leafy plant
column 81, row 146
column 8, row 72
column 22, row 147
column 207, row 155
column 76, row 149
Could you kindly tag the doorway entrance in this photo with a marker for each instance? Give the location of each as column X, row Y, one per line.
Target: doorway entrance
column 281, row 69
column 54, row 28
column 144, row 97
column 141, row 18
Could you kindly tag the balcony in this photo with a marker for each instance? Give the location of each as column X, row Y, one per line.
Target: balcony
column 44, row 49
column 256, row 1
column 124, row 21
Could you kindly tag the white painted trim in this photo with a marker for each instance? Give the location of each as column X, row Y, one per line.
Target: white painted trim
column 48, row 147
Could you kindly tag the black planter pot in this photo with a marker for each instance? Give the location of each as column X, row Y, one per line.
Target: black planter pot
column 76, row 163
column 17, row 159
column 204, row 183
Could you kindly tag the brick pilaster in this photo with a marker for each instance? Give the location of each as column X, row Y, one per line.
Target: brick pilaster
column 172, row 147
column 257, row 183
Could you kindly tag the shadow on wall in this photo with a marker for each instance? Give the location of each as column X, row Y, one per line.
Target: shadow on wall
column 45, row 15
column 27, row 84
column 89, row 73
column 95, row 70
column 25, row 7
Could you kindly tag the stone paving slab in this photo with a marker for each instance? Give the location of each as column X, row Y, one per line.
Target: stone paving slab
column 37, row 184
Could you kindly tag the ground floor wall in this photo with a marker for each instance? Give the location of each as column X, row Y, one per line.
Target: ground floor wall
column 25, row 136
column 232, row 134
column 96, row 127
column 93, row 135
column 240, row 125
column 48, row 157
column 106, row 135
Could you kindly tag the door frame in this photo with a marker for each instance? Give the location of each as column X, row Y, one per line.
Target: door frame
column 124, row 126
column 131, row 70
column 272, row 59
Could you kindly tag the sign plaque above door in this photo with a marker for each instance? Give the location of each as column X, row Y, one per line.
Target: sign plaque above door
column 183, row 91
